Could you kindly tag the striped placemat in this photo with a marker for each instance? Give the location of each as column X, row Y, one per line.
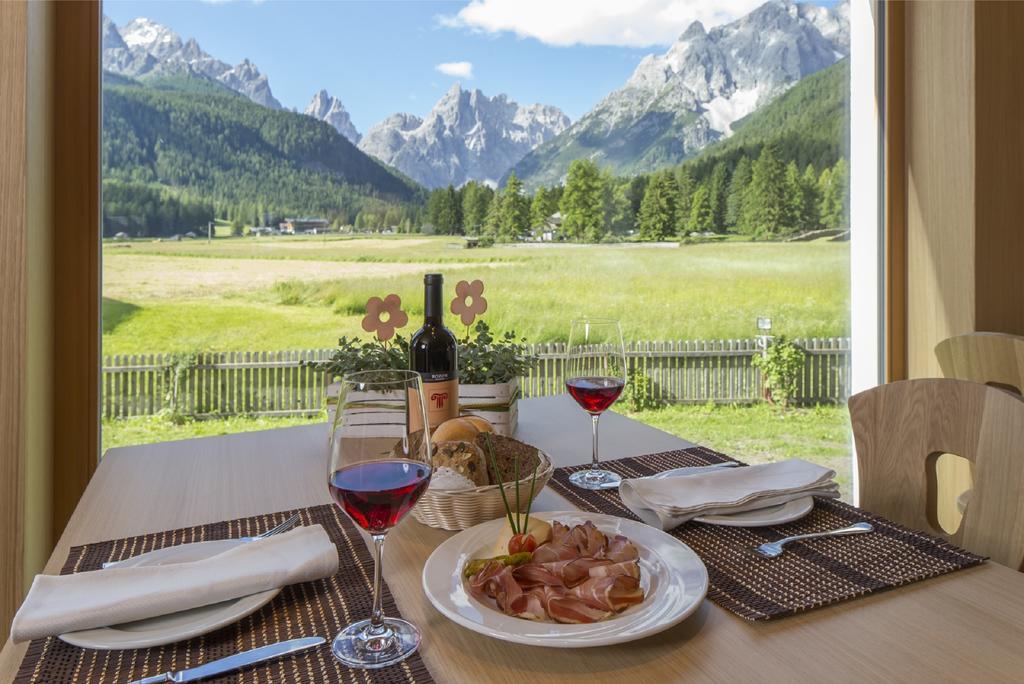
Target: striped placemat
column 319, row 608
column 810, row 574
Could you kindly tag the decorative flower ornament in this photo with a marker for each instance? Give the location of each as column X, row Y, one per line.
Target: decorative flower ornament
column 469, row 301
column 383, row 316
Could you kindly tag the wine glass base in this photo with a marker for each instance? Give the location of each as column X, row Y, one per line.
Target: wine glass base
column 357, row 647
column 593, row 478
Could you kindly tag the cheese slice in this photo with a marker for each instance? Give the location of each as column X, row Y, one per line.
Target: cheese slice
column 540, row 529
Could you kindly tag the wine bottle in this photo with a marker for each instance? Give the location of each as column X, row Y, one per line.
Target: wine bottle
column 434, row 354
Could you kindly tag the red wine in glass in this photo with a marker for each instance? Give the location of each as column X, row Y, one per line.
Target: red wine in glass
column 377, row 494
column 379, row 464
column 595, row 372
column 595, row 394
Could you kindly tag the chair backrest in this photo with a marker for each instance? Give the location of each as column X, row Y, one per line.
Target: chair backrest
column 900, row 430
column 995, row 359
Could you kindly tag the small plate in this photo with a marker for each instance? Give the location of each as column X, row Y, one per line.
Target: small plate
column 672, row 575
column 762, row 517
column 167, row 629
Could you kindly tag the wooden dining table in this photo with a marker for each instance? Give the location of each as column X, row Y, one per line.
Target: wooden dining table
column 967, row 626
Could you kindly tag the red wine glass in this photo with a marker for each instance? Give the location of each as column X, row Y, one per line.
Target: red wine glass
column 595, row 377
column 380, row 464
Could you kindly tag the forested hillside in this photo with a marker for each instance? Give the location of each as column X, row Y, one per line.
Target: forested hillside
column 179, row 151
column 784, row 171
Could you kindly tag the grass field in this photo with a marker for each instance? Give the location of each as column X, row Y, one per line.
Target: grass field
column 304, row 292
column 755, row 434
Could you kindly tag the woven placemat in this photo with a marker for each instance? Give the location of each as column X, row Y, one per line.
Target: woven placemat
column 319, row 608
column 810, row 574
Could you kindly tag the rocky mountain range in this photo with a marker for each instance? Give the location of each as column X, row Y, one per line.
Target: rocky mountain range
column 681, row 101
column 326, row 107
column 143, row 47
column 465, row 136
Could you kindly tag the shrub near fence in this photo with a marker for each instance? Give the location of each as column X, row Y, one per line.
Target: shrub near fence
column 279, row 384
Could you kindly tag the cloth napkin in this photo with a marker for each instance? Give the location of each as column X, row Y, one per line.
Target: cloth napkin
column 66, row 603
column 670, row 501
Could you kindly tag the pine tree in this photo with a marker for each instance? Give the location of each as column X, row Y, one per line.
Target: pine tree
column 764, row 203
column 684, row 196
column 811, row 219
column 657, row 218
column 582, row 204
column 476, row 199
column 513, row 216
column 794, row 198
column 835, row 196
column 701, row 218
column 618, row 209
column 717, row 194
column 737, row 191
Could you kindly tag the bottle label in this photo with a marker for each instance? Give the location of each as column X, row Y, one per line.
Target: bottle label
column 442, row 403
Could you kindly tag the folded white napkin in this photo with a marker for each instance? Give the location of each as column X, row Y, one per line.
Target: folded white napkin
column 66, row 603
column 669, row 502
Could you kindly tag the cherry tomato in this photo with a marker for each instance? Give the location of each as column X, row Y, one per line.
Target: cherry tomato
column 522, row 542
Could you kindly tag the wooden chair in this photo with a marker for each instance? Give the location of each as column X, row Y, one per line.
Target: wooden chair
column 991, row 358
column 900, row 429
column 995, row 359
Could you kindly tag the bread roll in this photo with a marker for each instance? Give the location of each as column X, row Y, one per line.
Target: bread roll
column 456, row 430
column 482, row 424
column 463, row 458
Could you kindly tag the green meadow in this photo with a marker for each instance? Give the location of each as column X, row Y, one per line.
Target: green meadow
column 304, row 292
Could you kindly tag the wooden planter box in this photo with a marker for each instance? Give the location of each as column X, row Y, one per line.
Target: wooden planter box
column 497, row 404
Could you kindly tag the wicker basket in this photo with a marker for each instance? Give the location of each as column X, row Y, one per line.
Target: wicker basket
column 464, row 508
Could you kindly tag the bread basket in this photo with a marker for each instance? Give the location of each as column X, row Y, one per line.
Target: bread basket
column 464, row 508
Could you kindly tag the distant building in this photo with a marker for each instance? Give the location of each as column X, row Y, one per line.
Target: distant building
column 303, row 225
column 548, row 231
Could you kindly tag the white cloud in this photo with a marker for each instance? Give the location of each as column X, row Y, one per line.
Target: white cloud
column 627, row 23
column 457, row 69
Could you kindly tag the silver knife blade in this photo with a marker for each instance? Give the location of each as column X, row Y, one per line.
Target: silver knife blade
column 235, row 662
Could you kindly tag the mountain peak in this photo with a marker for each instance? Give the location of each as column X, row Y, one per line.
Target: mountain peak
column 676, row 103
column 330, row 109
column 694, row 30
column 143, row 46
column 467, row 135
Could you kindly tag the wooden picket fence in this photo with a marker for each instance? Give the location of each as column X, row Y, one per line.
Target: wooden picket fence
column 280, row 384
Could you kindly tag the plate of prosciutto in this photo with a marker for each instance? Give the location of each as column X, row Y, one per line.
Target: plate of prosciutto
column 567, row 580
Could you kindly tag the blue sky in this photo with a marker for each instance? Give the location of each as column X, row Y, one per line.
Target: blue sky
column 383, row 57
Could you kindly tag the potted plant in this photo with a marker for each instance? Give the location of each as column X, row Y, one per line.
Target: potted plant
column 489, row 366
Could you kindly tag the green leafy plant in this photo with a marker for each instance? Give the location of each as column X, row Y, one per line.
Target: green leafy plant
column 485, row 359
column 780, row 366
column 175, row 374
column 640, row 392
column 353, row 355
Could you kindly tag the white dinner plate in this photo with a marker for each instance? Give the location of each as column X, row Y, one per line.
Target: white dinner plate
column 673, row 578
column 167, row 629
column 762, row 517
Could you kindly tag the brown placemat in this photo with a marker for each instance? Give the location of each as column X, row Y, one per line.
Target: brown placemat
column 319, row 608
column 810, row 574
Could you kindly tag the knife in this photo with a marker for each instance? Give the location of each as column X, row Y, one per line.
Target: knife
column 235, row 662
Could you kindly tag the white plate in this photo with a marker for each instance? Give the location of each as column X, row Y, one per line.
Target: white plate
column 167, row 629
column 673, row 577
column 762, row 517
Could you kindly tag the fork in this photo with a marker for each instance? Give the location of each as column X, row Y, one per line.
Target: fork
column 283, row 527
column 774, row 549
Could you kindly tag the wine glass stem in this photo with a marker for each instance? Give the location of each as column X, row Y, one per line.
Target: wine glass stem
column 377, row 615
column 595, row 417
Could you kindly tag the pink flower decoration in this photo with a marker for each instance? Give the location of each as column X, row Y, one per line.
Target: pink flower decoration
column 376, row 308
column 469, row 301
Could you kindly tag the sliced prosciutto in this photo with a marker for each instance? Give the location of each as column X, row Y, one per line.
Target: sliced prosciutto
column 610, row 593
column 579, row 576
